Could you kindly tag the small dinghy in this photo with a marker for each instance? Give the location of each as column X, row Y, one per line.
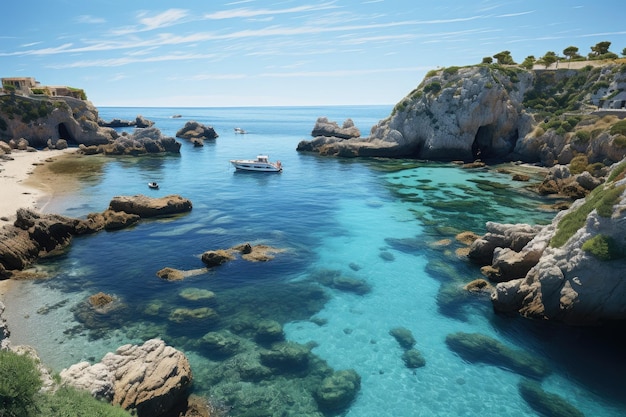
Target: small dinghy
column 153, row 185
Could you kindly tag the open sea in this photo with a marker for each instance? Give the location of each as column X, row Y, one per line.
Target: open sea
column 365, row 246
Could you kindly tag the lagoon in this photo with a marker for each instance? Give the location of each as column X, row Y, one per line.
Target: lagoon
column 387, row 224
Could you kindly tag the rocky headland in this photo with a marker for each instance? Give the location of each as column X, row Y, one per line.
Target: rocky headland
column 59, row 122
column 493, row 112
column 570, row 270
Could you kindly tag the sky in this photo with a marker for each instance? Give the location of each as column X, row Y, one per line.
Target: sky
column 207, row 53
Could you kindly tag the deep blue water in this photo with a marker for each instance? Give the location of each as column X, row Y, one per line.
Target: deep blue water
column 387, row 224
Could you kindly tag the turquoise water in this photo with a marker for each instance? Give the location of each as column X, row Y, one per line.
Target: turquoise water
column 387, row 224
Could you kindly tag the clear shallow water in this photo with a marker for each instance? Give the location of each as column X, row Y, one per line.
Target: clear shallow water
column 388, row 224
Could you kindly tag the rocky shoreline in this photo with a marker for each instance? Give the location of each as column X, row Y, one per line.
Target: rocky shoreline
column 566, row 272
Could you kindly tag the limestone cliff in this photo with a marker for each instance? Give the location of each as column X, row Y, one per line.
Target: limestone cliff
column 460, row 113
column 579, row 262
column 42, row 119
column 501, row 112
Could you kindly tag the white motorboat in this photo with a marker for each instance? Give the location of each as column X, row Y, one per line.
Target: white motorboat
column 153, row 185
column 240, row 131
column 261, row 163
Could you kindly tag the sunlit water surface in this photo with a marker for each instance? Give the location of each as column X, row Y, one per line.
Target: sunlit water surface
column 388, row 225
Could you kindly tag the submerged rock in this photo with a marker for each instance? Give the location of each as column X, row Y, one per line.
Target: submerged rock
column 338, row 390
column 413, row 359
column 286, row 357
column 545, row 403
column 403, row 336
column 476, row 347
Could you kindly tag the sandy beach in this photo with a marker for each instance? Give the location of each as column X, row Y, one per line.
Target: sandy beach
column 22, row 183
column 25, row 183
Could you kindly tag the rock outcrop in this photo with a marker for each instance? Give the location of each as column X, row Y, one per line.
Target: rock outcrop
column 34, row 235
column 252, row 253
column 571, row 271
column 41, row 120
column 141, row 141
column 140, row 122
column 196, row 132
column 460, row 113
column 145, row 206
column 149, row 380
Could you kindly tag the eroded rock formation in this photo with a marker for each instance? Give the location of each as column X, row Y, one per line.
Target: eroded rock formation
column 571, row 271
column 35, row 235
column 67, row 118
column 196, row 132
column 150, row 379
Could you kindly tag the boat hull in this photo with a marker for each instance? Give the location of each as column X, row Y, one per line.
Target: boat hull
column 255, row 166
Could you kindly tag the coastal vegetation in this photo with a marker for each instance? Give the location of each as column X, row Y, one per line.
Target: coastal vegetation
column 602, row 199
column 20, row 394
column 26, row 109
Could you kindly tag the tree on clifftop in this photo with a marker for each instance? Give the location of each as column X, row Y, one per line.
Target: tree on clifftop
column 571, row 52
column 528, row 63
column 601, row 51
column 504, row 58
column 548, row 59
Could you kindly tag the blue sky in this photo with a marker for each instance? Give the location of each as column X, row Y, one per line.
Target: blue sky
column 253, row 52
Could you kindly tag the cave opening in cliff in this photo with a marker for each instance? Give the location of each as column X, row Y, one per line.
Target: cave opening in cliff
column 64, row 133
column 481, row 147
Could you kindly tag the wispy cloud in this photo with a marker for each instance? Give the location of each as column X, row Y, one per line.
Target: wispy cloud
column 118, row 62
column 340, row 73
column 148, row 23
column 88, row 19
column 167, row 18
column 249, row 12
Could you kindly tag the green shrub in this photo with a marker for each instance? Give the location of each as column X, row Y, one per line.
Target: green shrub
column 602, row 247
column 19, row 381
column 619, row 128
column 578, row 164
column 433, row 87
column 431, row 73
column 582, row 137
column 619, row 141
column 451, row 70
column 601, row 199
column 70, row 402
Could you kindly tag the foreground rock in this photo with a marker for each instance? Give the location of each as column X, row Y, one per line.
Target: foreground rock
column 34, row 235
column 150, row 379
column 572, row 270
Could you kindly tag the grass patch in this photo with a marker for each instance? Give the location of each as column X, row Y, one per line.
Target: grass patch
column 71, row 402
column 601, row 199
column 19, row 382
